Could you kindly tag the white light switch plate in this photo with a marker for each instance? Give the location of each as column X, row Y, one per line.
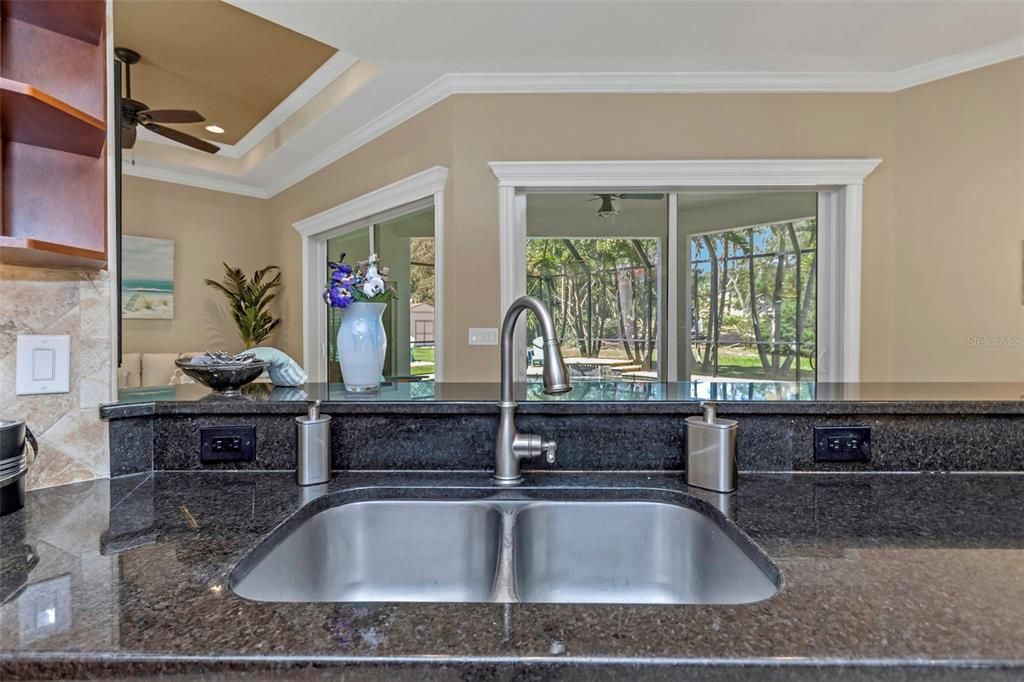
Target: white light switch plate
column 483, row 336
column 44, row 364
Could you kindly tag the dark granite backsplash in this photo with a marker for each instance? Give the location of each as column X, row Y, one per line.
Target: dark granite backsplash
column 597, row 436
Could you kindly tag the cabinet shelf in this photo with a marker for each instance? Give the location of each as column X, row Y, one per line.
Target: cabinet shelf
column 39, row 253
column 31, row 116
column 53, row 87
column 79, row 19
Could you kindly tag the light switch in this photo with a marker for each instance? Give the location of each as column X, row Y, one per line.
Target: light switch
column 44, row 364
column 483, row 336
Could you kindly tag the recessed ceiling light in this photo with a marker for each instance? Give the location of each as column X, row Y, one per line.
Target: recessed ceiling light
column 215, row 129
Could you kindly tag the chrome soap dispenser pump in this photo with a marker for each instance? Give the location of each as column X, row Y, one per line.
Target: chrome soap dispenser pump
column 313, row 457
column 711, row 451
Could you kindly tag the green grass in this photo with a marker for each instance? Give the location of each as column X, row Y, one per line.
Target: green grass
column 733, row 363
column 423, row 354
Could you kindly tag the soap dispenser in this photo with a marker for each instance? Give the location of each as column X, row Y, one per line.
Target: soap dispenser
column 314, row 447
column 711, row 451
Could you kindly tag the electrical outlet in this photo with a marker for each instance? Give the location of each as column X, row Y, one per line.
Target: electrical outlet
column 842, row 443
column 227, row 444
column 483, row 336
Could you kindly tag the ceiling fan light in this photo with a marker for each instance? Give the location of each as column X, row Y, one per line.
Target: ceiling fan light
column 215, row 129
column 607, row 208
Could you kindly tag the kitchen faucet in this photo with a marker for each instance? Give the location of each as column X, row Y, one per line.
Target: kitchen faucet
column 510, row 446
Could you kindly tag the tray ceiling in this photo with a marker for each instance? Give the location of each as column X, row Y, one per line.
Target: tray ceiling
column 232, row 66
column 411, row 54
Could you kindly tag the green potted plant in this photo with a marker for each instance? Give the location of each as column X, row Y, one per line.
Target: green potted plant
column 249, row 299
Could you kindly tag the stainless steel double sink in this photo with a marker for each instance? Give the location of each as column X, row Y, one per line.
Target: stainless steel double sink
column 510, row 547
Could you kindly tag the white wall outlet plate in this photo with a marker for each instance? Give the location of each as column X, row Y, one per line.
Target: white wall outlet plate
column 483, row 336
column 44, row 364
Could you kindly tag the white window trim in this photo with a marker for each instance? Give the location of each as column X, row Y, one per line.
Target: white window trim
column 839, row 181
column 371, row 207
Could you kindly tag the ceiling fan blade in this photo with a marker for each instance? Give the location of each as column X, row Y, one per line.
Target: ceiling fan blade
column 128, row 134
column 642, row 196
column 183, row 138
column 172, row 116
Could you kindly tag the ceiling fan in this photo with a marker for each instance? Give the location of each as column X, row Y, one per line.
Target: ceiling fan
column 134, row 113
column 608, row 209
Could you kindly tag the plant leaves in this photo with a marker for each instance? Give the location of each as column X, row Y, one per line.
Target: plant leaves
column 248, row 300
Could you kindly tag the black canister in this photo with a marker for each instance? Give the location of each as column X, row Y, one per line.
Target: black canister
column 15, row 437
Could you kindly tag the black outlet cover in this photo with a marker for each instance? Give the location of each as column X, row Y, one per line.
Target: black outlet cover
column 227, row 444
column 842, row 443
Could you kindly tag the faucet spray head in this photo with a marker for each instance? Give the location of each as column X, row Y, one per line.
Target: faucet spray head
column 556, row 374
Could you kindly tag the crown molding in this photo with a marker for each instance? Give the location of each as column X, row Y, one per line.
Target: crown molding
column 664, row 83
column 413, row 188
column 324, row 75
column 417, row 103
column 179, row 175
column 739, row 82
column 610, row 83
column 958, row 63
column 689, row 173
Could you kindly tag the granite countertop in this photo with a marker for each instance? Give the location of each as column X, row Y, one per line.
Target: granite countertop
column 586, row 396
column 884, row 571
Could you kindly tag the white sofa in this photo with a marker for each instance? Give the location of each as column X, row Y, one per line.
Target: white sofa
column 158, row 369
column 150, row 369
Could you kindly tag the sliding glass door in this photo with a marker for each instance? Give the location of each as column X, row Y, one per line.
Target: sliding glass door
column 752, row 293
column 597, row 261
column 750, row 285
column 745, row 265
column 352, row 246
column 405, row 245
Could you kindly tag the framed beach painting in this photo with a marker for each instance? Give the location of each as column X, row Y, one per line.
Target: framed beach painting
column 147, row 280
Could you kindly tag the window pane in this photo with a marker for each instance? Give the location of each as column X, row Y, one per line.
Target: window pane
column 753, row 300
column 603, row 294
column 406, row 247
column 353, row 246
column 597, row 261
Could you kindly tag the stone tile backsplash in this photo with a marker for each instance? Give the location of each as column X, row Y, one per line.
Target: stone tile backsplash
column 73, row 440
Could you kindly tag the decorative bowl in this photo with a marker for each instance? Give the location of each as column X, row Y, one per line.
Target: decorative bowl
column 224, row 378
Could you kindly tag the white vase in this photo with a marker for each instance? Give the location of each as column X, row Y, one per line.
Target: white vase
column 362, row 345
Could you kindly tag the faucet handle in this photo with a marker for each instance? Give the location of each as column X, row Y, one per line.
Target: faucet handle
column 549, row 447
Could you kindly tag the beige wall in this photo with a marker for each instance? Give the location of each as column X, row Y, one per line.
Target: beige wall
column 416, row 145
column 580, row 127
column 208, row 228
column 955, row 246
column 943, row 214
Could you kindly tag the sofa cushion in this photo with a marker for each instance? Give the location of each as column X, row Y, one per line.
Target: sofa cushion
column 158, row 368
column 129, row 374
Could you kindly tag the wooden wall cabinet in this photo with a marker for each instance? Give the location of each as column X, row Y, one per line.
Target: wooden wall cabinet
column 53, row 103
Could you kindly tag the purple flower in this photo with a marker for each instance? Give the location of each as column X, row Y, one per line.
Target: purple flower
column 345, row 280
column 337, row 296
column 344, row 268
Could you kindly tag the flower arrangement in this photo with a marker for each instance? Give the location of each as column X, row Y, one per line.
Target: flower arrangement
column 366, row 283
